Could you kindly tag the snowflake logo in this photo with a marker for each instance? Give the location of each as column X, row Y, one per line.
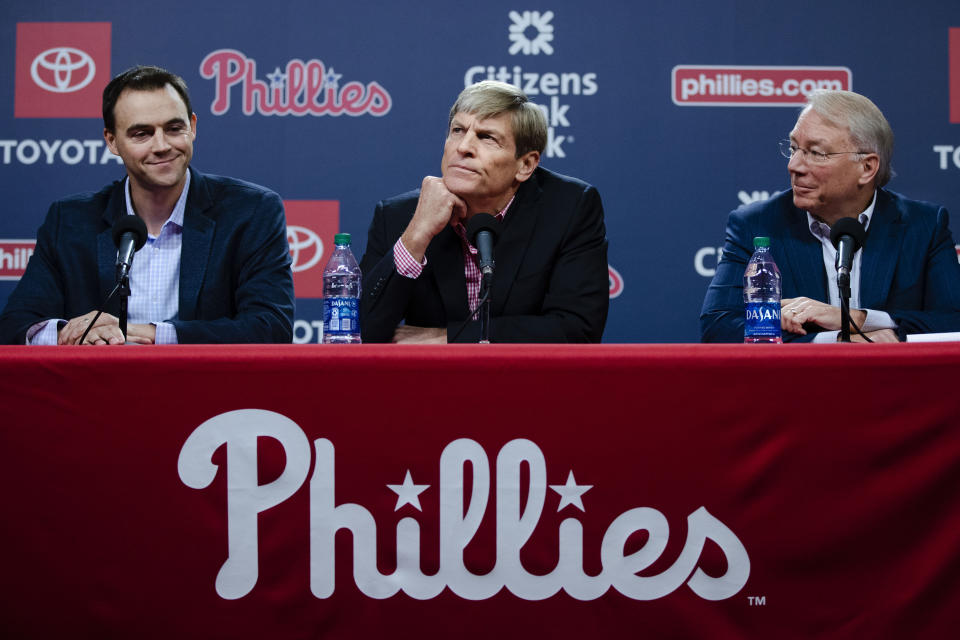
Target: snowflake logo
column 531, row 21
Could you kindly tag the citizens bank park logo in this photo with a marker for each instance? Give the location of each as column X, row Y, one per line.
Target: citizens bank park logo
column 61, row 69
column 311, row 225
column 752, row 86
column 531, row 33
column 300, row 88
column 521, row 493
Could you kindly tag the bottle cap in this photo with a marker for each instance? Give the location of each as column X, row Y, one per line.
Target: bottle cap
column 761, row 241
column 344, row 238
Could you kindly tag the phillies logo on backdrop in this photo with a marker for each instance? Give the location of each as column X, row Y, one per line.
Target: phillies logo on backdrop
column 311, row 225
column 61, row 69
column 300, row 88
column 14, row 255
column 520, row 490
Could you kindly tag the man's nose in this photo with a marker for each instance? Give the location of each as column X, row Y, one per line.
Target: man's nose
column 797, row 161
column 159, row 143
column 467, row 144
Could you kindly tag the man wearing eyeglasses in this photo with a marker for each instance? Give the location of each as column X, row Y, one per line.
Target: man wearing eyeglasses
column 905, row 280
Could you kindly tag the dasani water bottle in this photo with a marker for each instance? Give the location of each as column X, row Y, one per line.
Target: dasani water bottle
column 761, row 295
column 341, row 295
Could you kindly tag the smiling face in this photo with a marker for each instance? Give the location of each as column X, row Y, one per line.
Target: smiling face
column 843, row 185
column 480, row 163
column 153, row 135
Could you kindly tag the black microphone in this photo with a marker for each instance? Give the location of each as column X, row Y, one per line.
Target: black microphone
column 847, row 235
column 482, row 231
column 129, row 234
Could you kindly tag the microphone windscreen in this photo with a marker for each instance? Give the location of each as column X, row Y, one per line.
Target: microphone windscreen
column 130, row 224
column 848, row 227
column 482, row 222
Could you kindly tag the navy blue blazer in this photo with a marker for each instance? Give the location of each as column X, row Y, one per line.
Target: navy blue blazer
column 909, row 266
column 236, row 285
column 551, row 282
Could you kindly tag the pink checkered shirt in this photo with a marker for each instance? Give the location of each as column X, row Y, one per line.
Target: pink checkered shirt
column 408, row 267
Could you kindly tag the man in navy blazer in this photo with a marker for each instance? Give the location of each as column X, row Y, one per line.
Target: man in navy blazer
column 905, row 280
column 216, row 267
column 551, row 283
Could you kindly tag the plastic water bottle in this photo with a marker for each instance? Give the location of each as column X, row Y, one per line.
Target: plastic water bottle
column 761, row 295
column 341, row 295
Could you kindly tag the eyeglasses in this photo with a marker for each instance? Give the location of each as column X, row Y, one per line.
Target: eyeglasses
column 788, row 150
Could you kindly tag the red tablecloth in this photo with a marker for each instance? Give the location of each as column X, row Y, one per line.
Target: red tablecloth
column 605, row 491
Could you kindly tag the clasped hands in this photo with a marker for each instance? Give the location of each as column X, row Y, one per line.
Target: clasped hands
column 106, row 330
column 795, row 312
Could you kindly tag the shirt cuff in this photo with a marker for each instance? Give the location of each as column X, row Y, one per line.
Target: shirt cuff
column 166, row 333
column 877, row 320
column 44, row 333
column 826, row 336
column 406, row 264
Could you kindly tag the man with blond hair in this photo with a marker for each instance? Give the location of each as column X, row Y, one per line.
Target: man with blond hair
column 421, row 280
column 905, row 280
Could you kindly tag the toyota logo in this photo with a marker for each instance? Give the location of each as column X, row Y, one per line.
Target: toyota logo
column 301, row 241
column 67, row 65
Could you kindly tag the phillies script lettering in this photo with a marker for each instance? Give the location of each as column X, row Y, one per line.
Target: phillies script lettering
column 460, row 517
column 302, row 88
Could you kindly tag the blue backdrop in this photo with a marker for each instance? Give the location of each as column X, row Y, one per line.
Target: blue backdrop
column 633, row 93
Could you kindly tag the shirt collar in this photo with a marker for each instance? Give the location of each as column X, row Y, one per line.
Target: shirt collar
column 462, row 230
column 176, row 216
column 821, row 231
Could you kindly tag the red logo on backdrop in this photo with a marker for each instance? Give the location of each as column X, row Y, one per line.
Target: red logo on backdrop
column 616, row 282
column 61, row 69
column 752, row 86
column 14, row 255
column 954, row 64
column 311, row 225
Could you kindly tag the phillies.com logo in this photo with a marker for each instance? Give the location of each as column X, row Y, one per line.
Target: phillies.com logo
column 61, row 68
column 300, row 88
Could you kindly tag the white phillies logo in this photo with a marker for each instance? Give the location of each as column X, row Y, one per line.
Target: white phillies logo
column 239, row 430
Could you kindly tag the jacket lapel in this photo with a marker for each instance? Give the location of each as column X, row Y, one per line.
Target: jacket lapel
column 515, row 235
column 881, row 250
column 804, row 255
column 198, row 232
column 106, row 249
column 445, row 259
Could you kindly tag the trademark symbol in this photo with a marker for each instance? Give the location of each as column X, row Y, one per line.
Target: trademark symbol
column 757, row 601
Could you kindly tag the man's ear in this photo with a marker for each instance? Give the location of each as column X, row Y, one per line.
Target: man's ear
column 526, row 164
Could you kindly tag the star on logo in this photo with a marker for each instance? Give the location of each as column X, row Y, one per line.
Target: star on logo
column 408, row 493
column 332, row 79
column 571, row 492
column 518, row 33
column 277, row 79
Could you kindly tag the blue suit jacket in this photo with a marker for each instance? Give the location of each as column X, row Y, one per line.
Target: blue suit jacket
column 235, row 280
column 909, row 266
column 551, row 282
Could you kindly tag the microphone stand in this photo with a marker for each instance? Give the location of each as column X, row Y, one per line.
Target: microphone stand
column 123, row 290
column 485, row 284
column 843, row 284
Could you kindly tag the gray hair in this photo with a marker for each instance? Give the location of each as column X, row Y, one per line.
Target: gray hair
column 869, row 130
column 490, row 98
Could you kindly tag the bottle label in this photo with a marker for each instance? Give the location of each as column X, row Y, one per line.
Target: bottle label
column 341, row 316
column 763, row 320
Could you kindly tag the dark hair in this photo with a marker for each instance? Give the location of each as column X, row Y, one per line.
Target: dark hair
column 140, row 78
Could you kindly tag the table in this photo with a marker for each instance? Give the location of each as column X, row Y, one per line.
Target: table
column 299, row 491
